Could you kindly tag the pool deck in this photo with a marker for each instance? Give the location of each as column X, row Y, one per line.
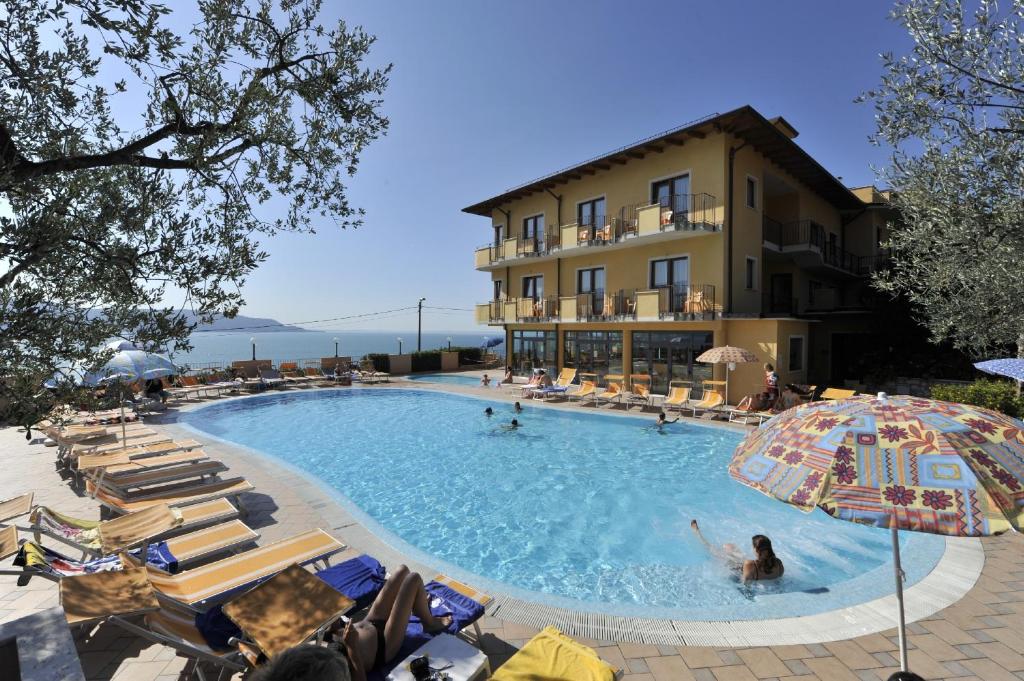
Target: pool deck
column 977, row 636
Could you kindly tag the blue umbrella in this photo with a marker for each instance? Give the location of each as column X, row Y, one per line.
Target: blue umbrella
column 1011, row 367
column 493, row 342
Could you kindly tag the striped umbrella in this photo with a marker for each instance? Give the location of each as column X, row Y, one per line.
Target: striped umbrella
column 730, row 356
column 893, row 462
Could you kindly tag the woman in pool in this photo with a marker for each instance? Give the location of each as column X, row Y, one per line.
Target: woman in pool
column 509, row 379
column 374, row 641
column 488, row 412
column 517, row 408
column 766, row 566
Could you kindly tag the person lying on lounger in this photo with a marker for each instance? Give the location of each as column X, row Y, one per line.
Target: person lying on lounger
column 765, row 566
column 374, row 641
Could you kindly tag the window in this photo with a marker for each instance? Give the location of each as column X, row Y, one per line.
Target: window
column 594, row 352
column 673, row 195
column 499, row 234
column 533, row 287
column 796, row 353
column 533, row 230
column 591, row 213
column 497, row 289
column 671, row 272
column 671, row 356
column 590, row 288
column 750, row 274
column 751, row 192
column 533, row 350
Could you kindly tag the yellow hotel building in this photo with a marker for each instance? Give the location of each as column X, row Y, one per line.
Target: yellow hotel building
column 720, row 232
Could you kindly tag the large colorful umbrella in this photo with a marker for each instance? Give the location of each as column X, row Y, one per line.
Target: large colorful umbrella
column 730, row 356
column 894, row 462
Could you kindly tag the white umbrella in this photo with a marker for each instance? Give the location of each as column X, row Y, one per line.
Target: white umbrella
column 128, row 366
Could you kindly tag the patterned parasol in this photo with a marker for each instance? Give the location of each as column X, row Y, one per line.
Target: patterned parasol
column 897, row 462
column 726, row 354
column 730, row 356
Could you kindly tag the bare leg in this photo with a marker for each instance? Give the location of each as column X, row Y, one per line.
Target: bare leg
column 384, row 603
column 412, row 599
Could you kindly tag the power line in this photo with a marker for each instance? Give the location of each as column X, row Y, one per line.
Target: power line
column 458, row 309
column 313, row 321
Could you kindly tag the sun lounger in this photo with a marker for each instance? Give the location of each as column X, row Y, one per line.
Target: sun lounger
column 837, row 394
column 271, row 378
column 640, row 390
column 560, row 387
column 551, row 655
column 138, row 464
column 291, row 372
column 8, row 542
column 611, row 393
column 586, row 389
column 97, row 538
column 744, row 411
column 16, row 506
column 710, row 401
column 125, row 482
column 216, row 581
column 678, row 398
column 130, row 442
column 173, row 495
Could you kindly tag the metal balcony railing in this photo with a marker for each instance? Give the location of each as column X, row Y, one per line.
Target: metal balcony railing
column 687, row 301
column 812, row 236
column 689, row 212
column 602, row 305
column 773, row 303
column 536, row 309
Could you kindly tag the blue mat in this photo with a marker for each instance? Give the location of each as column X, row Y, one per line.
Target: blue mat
column 360, row 578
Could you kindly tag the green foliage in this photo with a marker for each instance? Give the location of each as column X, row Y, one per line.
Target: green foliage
column 953, row 110
column 430, row 360
column 145, row 151
column 381, row 361
column 998, row 395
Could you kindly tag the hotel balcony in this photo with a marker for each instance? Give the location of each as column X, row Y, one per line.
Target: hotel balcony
column 694, row 302
column 678, row 216
column 805, row 242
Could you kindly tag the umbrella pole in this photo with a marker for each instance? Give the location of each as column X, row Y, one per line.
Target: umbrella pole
column 899, row 595
column 124, row 428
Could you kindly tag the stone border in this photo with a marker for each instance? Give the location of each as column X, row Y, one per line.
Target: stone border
column 953, row 576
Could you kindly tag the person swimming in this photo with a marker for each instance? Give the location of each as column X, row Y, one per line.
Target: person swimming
column 517, row 408
column 515, row 423
column 766, row 565
column 662, row 421
column 488, row 412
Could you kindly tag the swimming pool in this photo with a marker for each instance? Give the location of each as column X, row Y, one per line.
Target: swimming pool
column 573, row 509
column 457, row 379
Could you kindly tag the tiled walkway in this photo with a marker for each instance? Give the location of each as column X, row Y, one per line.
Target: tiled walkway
column 980, row 637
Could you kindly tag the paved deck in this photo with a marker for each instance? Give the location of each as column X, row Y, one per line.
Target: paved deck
column 978, row 637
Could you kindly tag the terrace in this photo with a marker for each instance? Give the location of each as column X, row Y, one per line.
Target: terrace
column 688, row 302
column 673, row 217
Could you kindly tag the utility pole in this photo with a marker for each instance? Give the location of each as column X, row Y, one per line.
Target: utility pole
column 419, row 326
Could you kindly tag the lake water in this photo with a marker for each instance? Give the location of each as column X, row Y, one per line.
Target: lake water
column 223, row 347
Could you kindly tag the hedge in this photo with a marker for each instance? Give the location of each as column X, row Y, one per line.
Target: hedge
column 381, row 361
column 998, row 395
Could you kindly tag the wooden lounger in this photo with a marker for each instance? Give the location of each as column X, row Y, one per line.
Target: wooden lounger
column 216, row 581
column 172, row 495
column 130, row 442
column 122, row 483
column 159, row 461
column 15, row 506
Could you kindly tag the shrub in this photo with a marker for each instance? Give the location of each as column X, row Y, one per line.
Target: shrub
column 381, row 361
column 469, row 355
column 427, row 360
column 999, row 395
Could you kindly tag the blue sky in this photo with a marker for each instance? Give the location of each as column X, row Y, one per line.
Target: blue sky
column 486, row 95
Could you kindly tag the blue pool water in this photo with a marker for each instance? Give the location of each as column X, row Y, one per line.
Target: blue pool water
column 575, row 509
column 457, row 379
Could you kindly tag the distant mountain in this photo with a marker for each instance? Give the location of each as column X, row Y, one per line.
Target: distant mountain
column 243, row 324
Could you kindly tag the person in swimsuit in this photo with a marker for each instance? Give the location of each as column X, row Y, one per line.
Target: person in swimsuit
column 663, row 421
column 374, row 641
column 517, row 408
column 765, row 566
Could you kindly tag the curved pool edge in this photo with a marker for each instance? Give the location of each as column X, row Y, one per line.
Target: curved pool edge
column 954, row 574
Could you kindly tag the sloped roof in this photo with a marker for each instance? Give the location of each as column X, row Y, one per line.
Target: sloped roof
column 746, row 123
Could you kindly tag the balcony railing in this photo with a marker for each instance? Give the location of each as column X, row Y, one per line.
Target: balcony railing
column 603, row 306
column 687, row 301
column 775, row 304
column 536, row 309
column 677, row 213
column 811, row 235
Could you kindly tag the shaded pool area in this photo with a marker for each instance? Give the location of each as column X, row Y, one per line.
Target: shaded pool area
column 572, row 509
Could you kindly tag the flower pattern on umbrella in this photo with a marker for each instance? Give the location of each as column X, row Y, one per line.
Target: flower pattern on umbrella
column 922, row 464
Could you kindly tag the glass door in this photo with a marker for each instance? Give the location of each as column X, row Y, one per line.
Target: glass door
column 673, row 194
column 591, row 283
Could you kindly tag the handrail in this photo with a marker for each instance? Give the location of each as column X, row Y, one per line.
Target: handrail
column 687, row 301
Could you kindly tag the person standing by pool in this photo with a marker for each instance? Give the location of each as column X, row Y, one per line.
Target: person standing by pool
column 485, row 381
column 766, row 566
column 771, row 385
